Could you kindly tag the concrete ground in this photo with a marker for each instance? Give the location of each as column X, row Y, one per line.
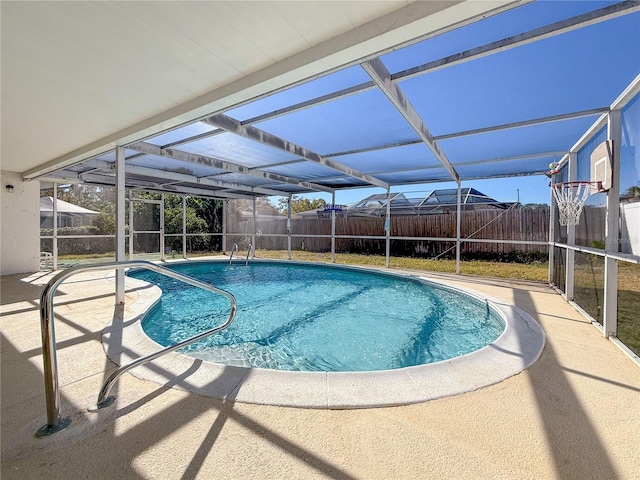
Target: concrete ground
column 573, row 414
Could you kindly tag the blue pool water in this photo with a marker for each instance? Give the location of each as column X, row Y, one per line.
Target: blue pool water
column 318, row 318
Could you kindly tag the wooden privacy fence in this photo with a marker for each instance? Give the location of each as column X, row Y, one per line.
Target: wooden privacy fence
column 526, row 225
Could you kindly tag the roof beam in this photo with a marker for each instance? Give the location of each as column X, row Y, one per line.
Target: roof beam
column 381, row 77
column 467, row 163
column 493, row 128
column 252, row 133
column 103, row 179
column 194, row 138
column 186, row 178
column 213, row 162
column 563, row 26
column 173, row 177
column 314, row 102
column 526, row 123
column 483, row 162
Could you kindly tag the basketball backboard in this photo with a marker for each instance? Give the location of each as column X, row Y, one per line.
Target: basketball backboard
column 601, row 159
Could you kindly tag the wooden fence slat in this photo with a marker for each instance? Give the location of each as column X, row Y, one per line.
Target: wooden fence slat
column 517, row 224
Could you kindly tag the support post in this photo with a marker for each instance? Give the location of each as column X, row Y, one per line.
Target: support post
column 610, row 313
column 387, row 228
column 333, row 228
column 120, row 223
column 571, row 235
column 289, row 227
column 184, row 227
column 552, row 238
column 225, row 207
column 54, row 247
column 131, row 229
column 253, row 237
column 458, row 225
column 162, row 249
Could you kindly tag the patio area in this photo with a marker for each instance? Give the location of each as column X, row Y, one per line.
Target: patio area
column 574, row 414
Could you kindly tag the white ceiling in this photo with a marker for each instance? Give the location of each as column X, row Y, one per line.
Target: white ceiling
column 80, row 77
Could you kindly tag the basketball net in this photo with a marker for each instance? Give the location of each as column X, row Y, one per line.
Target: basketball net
column 570, row 198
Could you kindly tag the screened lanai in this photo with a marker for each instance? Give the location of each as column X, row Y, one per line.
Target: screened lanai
column 195, row 128
column 504, row 96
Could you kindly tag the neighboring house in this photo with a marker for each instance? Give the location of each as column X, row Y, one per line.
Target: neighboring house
column 437, row 202
column 69, row 215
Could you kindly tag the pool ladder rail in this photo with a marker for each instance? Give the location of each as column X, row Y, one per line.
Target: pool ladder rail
column 234, row 248
column 55, row 422
column 246, row 260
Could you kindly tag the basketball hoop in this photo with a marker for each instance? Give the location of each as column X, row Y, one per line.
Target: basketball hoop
column 570, row 198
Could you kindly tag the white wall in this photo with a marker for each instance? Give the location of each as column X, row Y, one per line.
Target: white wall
column 19, row 224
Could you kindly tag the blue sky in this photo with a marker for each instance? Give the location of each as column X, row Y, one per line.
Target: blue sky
column 567, row 86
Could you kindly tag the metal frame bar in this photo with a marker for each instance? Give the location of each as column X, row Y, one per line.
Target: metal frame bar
column 137, row 184
column 54, row 246
column 382, row 78
column 247, row 131
column 333, row 229
column 525, row 123
column 184, row 227
column 387, row 228
column 253, row 235
column 289, row 226
column 547, row 31
column 459, row 223
column 222, row 164
column 120, row 222
column 610, row 307
column 625, row 257
column 205, row 181
column 571, row 234
column 464, row 164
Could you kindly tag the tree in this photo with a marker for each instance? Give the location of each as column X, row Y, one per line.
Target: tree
column 105, row 224
column 633, row 191
column 534, row 205
column 300, row 204
column 94, row 197
column 208, row 210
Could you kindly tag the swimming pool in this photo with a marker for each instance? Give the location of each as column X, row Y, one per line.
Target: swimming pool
column 310, row 317
column 516, row 348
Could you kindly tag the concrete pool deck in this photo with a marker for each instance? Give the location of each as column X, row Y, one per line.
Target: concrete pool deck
column 575, row 413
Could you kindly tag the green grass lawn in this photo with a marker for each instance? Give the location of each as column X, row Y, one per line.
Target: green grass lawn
column 534, row 271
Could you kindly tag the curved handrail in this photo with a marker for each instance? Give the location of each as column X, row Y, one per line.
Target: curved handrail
column 52, row 392
column 234, row 248
column 246, row 260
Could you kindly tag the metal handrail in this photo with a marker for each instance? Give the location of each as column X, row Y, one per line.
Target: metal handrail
column 234, row 248
column 55, row 422
column 246, row 260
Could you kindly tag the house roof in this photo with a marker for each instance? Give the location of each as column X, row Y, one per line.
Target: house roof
column 46, row 205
